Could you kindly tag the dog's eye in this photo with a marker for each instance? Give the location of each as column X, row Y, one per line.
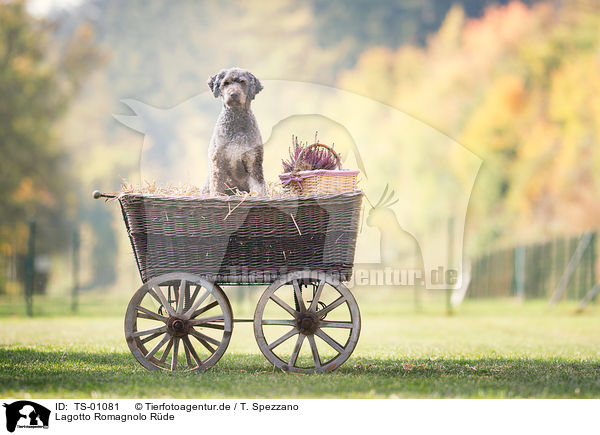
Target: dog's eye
column 243, row 81
column 226, row 83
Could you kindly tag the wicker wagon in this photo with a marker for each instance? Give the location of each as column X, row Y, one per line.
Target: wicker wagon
column 187, row 248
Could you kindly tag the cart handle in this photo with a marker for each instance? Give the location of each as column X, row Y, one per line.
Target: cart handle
column 97, row 195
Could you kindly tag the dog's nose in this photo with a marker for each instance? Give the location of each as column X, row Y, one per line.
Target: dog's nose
column 234, row 94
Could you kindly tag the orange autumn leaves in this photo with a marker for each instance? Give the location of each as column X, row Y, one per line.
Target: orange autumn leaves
column 519, row 87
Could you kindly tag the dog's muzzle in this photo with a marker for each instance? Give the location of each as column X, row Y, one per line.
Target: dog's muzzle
column 234, row 99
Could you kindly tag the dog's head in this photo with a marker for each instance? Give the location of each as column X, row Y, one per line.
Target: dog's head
column 237, row 87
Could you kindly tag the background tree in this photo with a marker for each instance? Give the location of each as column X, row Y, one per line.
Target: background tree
column 38, row 79
column 512, row 81
column 516, row 86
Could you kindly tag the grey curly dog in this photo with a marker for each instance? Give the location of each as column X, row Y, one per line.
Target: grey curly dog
column 235, row 153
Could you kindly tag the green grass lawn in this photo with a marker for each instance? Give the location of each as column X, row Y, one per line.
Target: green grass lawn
column 492, row 349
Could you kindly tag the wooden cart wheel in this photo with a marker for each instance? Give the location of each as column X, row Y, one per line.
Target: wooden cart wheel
column 303, row 307
column 178, row 322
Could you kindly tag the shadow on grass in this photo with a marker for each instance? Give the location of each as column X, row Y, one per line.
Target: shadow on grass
column 39, row 373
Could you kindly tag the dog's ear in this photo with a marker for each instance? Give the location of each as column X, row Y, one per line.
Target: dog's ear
column 214, row 83
column 255, row 86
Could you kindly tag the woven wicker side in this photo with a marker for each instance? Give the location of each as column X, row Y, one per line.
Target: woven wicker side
column 328, row 184
column 320, row 181
column 243, row 241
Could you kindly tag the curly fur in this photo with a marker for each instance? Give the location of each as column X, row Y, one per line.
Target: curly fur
column 236, row 149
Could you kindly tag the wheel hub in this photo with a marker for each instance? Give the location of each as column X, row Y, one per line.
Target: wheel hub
column 307, row 323
column 178, row 327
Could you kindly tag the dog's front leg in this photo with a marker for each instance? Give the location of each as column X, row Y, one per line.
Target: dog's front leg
column 256, row 178
column 218, row 184
column 257, row 186
column 205, row 189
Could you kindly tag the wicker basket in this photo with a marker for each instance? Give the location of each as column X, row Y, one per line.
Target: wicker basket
column 247, row 240
column 320, row 181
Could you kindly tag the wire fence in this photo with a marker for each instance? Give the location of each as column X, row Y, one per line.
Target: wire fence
column 534, row 271
column 25, row 272
column 531, row 271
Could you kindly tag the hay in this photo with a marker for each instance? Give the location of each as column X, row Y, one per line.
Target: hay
column 274, row 190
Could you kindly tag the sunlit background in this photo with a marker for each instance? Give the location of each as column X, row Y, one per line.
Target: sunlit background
column 515, row 84
column 480, row 120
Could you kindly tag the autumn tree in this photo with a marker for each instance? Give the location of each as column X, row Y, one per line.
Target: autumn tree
column 518, row 87
column 37, row 82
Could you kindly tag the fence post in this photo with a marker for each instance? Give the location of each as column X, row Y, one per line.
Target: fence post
column 29, row 268
column 450, row 262
column 519, row 282
column 571, row 267
column 593, row 258
column 590, row 275
column 75, row 292
column 417, row 287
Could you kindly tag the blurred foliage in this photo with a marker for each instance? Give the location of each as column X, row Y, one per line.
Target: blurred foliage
column 519, row 87
column 362, row 24
column 37, row 82
column 516, row 83
column 164, row 51
column 161, row 53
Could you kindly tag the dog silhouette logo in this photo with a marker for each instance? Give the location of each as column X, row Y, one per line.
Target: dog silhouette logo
column 26, row 414
column 419, row 222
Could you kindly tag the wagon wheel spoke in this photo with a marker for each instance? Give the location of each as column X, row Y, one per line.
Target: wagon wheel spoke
column 192, row 298
column 296, row 350
column 317, row 296
column 330, row 341
column 157, row 294
column 188, row 344
column 298, row 293
column 205, row 337
column 204, row 309
column 198, row 322
column 308, row 323
column 283, row 338
column 163, row 358
column 211, row 326
column 181, row 298
column 332, row 306
column 160, row 344
column 197, row 303
column 206, row 345
column 188, row 357
column 186, row 297
column 331, row 324
column 315, row 351
column 283, row 305
column 148, row 314
column 179, row 295
column 204, row 340
column 148, row 331
column 175, row 352
column 151, row 337
column 279, row 322
column 174, row 298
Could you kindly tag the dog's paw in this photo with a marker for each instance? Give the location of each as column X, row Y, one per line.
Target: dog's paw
column 259, row 192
